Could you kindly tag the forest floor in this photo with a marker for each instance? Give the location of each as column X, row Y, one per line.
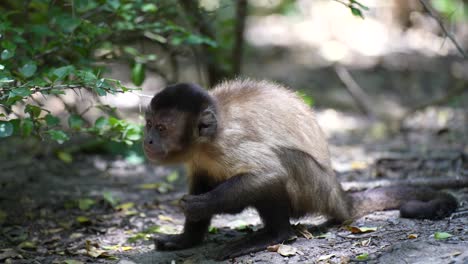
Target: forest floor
column 102, row 210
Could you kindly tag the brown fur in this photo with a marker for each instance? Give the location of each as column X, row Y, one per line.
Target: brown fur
column 291, row 147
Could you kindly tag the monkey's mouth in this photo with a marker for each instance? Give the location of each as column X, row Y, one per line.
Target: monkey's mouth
column 154, row 154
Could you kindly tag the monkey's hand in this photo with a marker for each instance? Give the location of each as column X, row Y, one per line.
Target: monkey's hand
column 195, row 207
column 173, row 242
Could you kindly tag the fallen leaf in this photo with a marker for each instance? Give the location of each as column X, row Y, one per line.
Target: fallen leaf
column 286, row 251
column 366, row 242
column 3, row 216
column 85, row 204
column 72, row 261
column 76, row 235
column 161, row 187
column 27, row 245
column 213, row 230
column 358, row 165
column 412, row 236
column 325, row 235
column 325, row 257
column 108, row 197
column 125, row 206
column 273, row 248
column 344, row 260
column 172, row 177
column 9, row 253
column 93, row 250
column 126, row 248
column 441, row 235
column 360, row 230
column 83, row 220
column 303, row 231
column 363, row 256
column 54, row 230
column 165, row 218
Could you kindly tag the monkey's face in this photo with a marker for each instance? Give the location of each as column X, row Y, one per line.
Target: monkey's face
column 168, row 135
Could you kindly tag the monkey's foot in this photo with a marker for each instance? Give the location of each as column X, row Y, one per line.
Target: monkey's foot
column 173, row 242
column 253, row 243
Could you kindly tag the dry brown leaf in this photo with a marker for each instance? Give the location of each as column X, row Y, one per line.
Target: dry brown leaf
column 360, row 230
column 273, row 248
column 412, row 236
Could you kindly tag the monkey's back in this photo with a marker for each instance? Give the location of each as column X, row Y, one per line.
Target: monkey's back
column 268, row 130
column 272, row 115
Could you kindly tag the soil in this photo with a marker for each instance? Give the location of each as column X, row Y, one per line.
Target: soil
column 47, row 216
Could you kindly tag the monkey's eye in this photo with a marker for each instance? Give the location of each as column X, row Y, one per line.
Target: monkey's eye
column 160, row 128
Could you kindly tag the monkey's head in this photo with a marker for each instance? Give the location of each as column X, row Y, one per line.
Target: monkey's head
column 178, row 118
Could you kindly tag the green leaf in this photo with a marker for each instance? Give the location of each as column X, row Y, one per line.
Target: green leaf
column 363, row 256
column 6, row 54
column 87, row 77
column 85, row 204
column 6, row 129
column 65, row 156
column 20, row 92
column 33, row 110
column 75, row 122
column 27, row 126
column 152, row 8
column 356, row 12
column 63, row 72
column 28, row 69
column 52, row 120
column 3, row 217
column 115, row 4
column 83, row 220
column 441, row 235
column 68, row 24
column 213, row 230
column 101, row 123
column 58, row 135
column 108, row 197
column 172, row 177
column 138, row 74
column 307, row 99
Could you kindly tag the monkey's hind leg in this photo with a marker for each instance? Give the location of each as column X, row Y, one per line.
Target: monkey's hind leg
column 277, row 230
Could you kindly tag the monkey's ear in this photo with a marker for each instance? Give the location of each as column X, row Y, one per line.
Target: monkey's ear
column 207, row 124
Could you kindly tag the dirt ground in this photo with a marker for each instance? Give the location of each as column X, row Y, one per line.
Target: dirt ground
column 102, row 210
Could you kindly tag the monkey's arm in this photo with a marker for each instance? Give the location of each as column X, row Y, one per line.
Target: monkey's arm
column 194, row 229
column 233, row 195
column 264, row 194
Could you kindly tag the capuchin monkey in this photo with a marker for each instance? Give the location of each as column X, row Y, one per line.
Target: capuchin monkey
column 256, row 144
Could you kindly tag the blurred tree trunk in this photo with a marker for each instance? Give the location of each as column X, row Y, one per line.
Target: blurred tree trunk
column 237, row 52
column 210, row 57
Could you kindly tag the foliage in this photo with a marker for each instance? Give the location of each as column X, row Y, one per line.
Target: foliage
column 354, row 6
column 48, row 48
column 453, row 9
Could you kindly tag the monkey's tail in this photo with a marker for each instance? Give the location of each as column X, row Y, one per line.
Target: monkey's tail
column 413, row 202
